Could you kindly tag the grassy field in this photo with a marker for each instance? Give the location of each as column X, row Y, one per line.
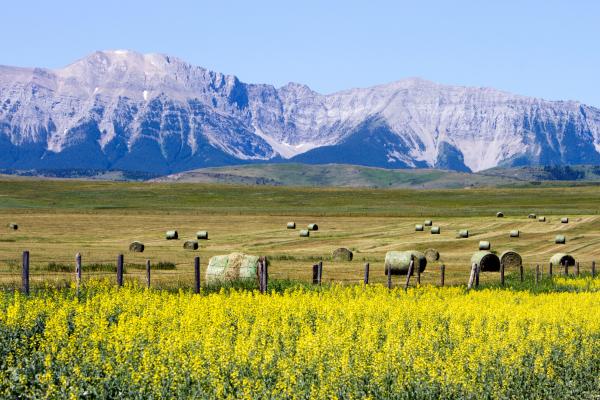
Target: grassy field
column 99, row 219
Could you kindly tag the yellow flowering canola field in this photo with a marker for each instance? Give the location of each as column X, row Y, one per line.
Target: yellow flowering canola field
column 338, row 342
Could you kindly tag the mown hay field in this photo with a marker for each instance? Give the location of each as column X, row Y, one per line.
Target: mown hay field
column 57, row 219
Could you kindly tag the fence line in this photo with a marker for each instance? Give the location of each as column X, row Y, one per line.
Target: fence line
column 262, row 273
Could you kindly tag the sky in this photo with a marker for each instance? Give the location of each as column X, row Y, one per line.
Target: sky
column 548, row 49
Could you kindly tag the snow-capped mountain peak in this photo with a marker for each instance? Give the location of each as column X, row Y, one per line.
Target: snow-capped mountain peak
column 153, row 112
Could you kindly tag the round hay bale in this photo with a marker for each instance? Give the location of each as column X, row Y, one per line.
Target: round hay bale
column 487, row 261
column 191, row 245
column 202, row 235
column 419, row 228
column 432, row 255
column 291, row 225
column 499, row 214
column 232, row 267
column 564, row 220
column 304, row 233
column 399, row 261
column 560, row 239
column 428, row 222
column 137, row 247
column 342, row 254
column 511, row 259
column 313, row 227
column 463, row 233
column 13, row 226
column 515, row 233
column 172, row 235
column 561, row 259
column 532, row 216
column 484, row 245
column 542, row 219
column 435, row 230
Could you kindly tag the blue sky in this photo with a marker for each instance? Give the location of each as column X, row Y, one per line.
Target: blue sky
column 547, row 49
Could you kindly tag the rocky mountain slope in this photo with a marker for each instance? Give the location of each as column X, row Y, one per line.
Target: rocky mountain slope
column 121, row 110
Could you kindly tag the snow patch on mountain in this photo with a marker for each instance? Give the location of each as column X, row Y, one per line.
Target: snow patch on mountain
column 120, row 105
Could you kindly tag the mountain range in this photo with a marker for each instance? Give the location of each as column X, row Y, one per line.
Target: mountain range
column 121, row 110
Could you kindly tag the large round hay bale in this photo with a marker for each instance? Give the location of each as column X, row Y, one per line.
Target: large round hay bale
column 564, row 220
column 532, row 216
column 485, row 245
column 419, row 228
column 291, row 225
column 542, row 219
column 432, row 255
column 511, row 259
column 435, row 230
column 561, row 259
column 304, row 233
column 13, row 226
column 499, row 214
column 428, row 222
column 313, row 227
column 515, row 233
column 399, row 261
column 560, row 239
column 232, row 267
column 172, row 235
column 487, row 261
column 202, row 235
column 342, row 254
column 137, row 247
column 191, row 245
column 463, row 233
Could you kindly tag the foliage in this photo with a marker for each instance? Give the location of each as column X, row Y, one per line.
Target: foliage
column 336, row 342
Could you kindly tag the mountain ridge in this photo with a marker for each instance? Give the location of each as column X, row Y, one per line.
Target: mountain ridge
column 347, row 175
column 156, row 113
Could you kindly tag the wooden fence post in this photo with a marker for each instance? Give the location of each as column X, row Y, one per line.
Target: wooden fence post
column 259, row 275
column 263, row 275
column 320, row 272
column 148, row 274
column 502, row 274
column 411, row 268
column 78, row 270
column 120, row 270
column 577, row 268
column 366, row 279
column 442, row 275
column 315, row 272
column 550, row 270
column 389, row 277
column 593, row 269
column 472, row 276
column 196, row 274
column 25, row 274
column 537, row 274
column 477, row 270
column 566, row 263
column 418, row 275
column 521, row 273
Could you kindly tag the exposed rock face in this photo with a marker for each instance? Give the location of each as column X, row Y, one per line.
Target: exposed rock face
column 156, row 113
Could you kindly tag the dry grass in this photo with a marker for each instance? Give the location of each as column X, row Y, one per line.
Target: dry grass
column 55, row 237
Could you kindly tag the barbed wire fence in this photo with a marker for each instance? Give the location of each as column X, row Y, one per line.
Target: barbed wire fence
column 28, row 271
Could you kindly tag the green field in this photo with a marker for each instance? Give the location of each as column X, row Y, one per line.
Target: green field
column 58, row 218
